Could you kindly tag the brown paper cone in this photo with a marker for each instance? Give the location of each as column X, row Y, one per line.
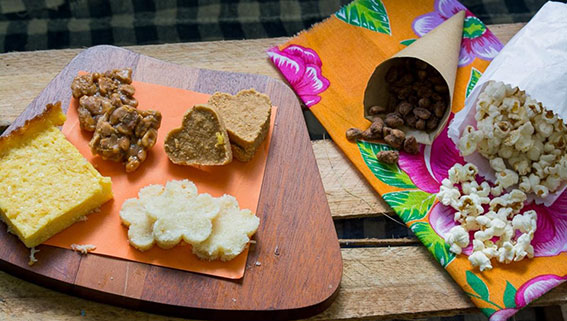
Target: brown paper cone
column 439, row 48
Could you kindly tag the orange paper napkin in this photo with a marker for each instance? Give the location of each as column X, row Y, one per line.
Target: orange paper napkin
column 104, row 229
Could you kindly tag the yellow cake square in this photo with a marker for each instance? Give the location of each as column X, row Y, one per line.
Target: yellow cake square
column 45, row 183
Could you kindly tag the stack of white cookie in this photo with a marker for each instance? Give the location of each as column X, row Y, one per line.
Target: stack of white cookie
column 215, row 227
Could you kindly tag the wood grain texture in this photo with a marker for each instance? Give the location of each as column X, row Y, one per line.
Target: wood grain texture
column 378, row 284
column 292, row 206
column 23, row 75
column 349, row 194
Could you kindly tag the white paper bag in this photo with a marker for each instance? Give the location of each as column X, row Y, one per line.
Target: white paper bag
column 534, row 60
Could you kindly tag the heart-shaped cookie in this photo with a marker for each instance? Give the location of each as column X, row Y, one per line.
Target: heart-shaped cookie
column 201, row 140
column 247, row 119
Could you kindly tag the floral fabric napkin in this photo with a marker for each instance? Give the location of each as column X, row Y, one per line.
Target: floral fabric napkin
column 329, row 65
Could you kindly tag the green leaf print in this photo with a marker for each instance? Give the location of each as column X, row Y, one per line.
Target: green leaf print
column 488, row 311
column 389, row 174
column 433, row 242
column 407, row 42
column 410, row 205
column 473, row 79
column 369, row 14
column 478, row 286
column 510, row 296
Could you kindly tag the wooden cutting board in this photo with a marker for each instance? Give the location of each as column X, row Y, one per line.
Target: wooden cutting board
column 297, row 245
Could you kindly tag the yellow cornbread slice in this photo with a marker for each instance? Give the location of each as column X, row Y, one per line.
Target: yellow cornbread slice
column 45, row 183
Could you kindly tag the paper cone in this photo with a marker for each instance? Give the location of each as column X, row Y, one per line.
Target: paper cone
column 439, row 48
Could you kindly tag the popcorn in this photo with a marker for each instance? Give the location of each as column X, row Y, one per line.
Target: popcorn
column 497, row 190
column 520, row 139
column 507, row 178
column 552, row 182
column 523, row 247
column 544, row 128
column 525, row 185
column 541, row 191
column 506, row 253
column 470, row 140
column 502, row 233
column 525, row 222
column 535, row 152
column 457, row 238
column 497, row 164
column 483, row 190
column 480, row 259
column 448, row 195
column 469, row 187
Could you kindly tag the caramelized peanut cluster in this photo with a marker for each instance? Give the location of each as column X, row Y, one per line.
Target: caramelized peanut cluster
column 107, row 107
column 99, row 93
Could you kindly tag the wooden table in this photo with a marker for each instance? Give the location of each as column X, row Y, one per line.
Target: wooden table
column 376, row 281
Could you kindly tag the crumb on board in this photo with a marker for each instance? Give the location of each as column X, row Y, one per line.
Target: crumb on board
column 95, row 210
column 83, row 248
column 258, row 263
column 83, row 218
column 32, row 260
column 277, row 251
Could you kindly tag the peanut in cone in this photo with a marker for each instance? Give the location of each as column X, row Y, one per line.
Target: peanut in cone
column 440, row 49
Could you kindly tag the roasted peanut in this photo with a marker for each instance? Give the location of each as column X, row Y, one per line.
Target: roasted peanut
column 388, row 156
column 369, row 135
column 424, row 103
column 394, row 120
column 431, row 123
column 439, row 109
column 393, row 141
column 420, row 124
column 419, row 91
column 420, row 64
column 442, row 89
column 422, row 113
column 392, row 75
column 411, row 120
column 353, row 134
column 377, row 126
column 410, row 145
column 404, row 108
column 395, row 138
column 375, row 110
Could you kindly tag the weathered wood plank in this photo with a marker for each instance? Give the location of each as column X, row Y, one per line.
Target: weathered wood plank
column 348, row 193
column 379, row 242
column 378, row 283
column 24, row 74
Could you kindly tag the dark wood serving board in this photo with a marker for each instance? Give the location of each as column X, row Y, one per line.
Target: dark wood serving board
column 297, row 245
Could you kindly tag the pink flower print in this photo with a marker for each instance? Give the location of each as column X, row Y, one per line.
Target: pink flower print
column 528, row 292
column 428, row 169
column 301, row 67
column 477, row 41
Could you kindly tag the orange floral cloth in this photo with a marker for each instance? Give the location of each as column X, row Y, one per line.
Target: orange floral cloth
column 329, row 65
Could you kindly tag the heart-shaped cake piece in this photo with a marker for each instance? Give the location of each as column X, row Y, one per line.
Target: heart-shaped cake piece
column 247, row 119
column 201, row 140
